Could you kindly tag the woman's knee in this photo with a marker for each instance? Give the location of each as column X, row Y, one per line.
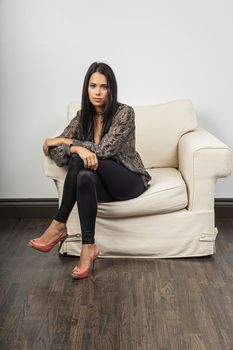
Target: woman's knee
column 86, row 177
column 75, row 162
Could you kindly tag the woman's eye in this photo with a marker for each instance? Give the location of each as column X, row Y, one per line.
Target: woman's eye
column 102, row 87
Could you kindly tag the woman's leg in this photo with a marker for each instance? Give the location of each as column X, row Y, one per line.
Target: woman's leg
column 58, row 223
column 69, row 189
column 119, row 181
column 110, row 182
column 69, row 196
column 90, row 191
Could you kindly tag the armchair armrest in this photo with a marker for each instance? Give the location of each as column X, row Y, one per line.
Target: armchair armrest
column 51, row 169
column 203, row 158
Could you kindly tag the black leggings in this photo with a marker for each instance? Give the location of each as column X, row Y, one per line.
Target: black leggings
column 110, row 182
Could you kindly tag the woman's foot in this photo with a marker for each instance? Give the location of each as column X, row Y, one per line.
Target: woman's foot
column 89, row 251
column 54, row 230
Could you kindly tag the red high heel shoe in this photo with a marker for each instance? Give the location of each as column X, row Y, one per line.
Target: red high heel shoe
column 33, row 243
column 83, row 273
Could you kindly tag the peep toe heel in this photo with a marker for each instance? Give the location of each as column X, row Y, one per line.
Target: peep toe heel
column 78, row 273
column 35, row 244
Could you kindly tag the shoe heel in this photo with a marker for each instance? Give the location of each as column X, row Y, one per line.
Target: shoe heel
column 93, row 265
column 61, row 243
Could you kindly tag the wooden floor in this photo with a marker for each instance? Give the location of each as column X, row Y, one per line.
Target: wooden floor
column 128, row 304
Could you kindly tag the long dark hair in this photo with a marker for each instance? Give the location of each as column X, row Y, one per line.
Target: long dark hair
column 87, row 108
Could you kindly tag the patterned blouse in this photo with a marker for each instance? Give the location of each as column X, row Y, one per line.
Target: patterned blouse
column 118, row 143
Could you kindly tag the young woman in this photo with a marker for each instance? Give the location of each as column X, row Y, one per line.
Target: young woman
column 98, row 146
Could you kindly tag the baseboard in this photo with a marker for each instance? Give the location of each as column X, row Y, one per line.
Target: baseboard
column 47, row 207
column 28, row 208
column 223, row 208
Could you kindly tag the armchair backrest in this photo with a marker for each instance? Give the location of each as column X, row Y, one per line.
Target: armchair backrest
column 158, row 130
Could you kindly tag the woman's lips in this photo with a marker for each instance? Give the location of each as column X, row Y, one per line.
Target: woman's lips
column 97, row 99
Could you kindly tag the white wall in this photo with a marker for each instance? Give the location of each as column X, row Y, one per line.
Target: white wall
column 159, row 50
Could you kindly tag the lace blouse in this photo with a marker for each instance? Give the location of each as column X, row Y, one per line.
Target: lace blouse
column 118, row 143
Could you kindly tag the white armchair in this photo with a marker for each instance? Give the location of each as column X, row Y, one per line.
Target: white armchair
column 175, row 216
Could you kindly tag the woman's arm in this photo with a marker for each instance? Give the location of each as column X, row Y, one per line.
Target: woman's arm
column 123, row 124
column 56, row 141
column 58, row 147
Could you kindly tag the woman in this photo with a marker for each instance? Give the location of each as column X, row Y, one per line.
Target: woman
column 98, row 146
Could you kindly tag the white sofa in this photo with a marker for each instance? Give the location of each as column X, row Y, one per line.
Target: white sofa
column 175, row 216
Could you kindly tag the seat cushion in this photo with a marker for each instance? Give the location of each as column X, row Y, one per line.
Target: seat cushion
column 167, row 193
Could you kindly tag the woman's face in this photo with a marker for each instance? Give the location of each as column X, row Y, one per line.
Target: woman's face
column 98, row 89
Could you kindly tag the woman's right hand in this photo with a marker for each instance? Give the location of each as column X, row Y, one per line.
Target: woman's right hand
column 55, row 141
column 46, row 148
column 89, row 158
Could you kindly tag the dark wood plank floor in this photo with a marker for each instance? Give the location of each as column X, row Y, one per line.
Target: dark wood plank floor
column 128, row 304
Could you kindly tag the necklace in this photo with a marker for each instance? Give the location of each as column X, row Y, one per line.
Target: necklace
column 99, row 113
